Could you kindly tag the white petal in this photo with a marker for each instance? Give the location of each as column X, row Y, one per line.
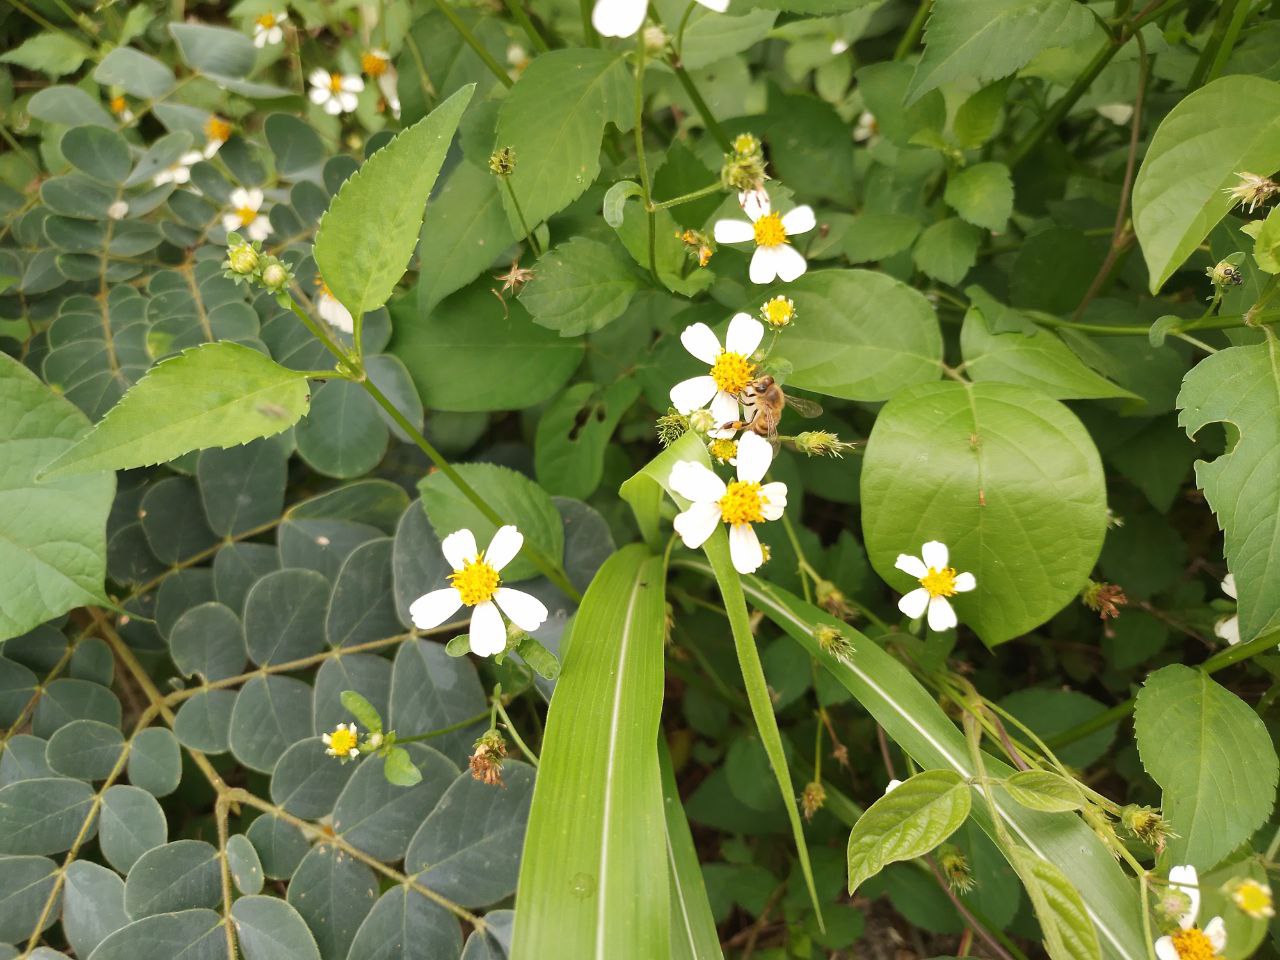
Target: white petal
column 319, row 94
column 934, row 554
column 459, row 547
column 754, row 456
column 618, row 18
column 182, row 175
column 892, row 785
column 914, row 603
column 719, row 6
column 163, row 177
column 525, row 610
column 695, row 482
column 733, row 231
column 697, row 523
column 764, row 264
column 326, row 739
column 230, row 221
column 724, row 407
column 434, row 608
column 1216, row 931
column 799, row 220
column 260, row 229
column 1165, row 949
column 1228, row 629
column 744, row 548
column 789, row 262
column 1185, row 878
column 1229, row 586
column 488, row 632
column 941, row 616
column 353, row 84
column 275, row 34
column 745, row 334
column 913, row 566
column 190, row 157
column 692, row 394
column 319, row 78
column 701, row 341
column 755, row 203
column 334, row 313
column 504, row 546
column 333, row 106
column 260, row 38
column 252, row 198
column 348, row 101
column 965, row 582
column 775, row 495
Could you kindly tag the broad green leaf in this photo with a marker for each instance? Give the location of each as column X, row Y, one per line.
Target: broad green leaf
column 399, row 768
column 296, row 145
column 367, row 673
column 132, row 824
column 709, row 36
column 405, row 925
column 1044, row 790
column 208, row 641
column 1039, row 360
column 982, row 194
column 134, row 72
column 380, row 816
column 884, row 92
column 907, row 822
column 176, row 876
column 1238, row 387
column 43, row 815
column 1194, row 158
column 271, row 714
column 216, row 51
column 204, row 722
column 306, row 780
column 92, row 905
column 284, row 616
column 280, row 845
column 97, row 151
column 53, row 545
column 554, row 119
column 185, row 935
column 269, row 928
column 85, row 749
column 859, row 335
column 243, row 487
column 244, row 864
column 1008, row 479
column 1068, row 932
column 595, row 839
column 574, row 432
column 52, row 54
column 517, row 500
column 912, row 718
column 430, row 691
column 875, row 236
column 985, row 40
column 69, row 106
column 25, row 885
column 693, row 929
column 333, row 893
column 1266, row 247
column 217, row 395
column 1212, row 756
column 367, row 236
column 579, row 287
column 947, row 250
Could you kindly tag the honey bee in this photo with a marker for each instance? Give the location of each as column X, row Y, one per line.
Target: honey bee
column 765, row 401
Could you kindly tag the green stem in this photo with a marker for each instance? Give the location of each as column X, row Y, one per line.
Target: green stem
column 452, row 728
column 511, row 729
column 474, row 43
column 643, row 162
column 1137, row 330
column 687, row 197
column 588, row 29
column 704, row 111
column 518, row 14
column 529, row 235
column 1231, row 18
column 914, row 29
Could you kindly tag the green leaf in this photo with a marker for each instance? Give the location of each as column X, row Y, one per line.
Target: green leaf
column 176, row 876
column 860, row 335
column 216, row 51
column 92, row 905
column 907, row 822
column 52, row 54
column 1068, row 933
column 365, row 713
column 368, row 234
column 1039, row 359
column 99, row 152
column 1194, row 156
column 53, row 545
column 307, row 781
column 1044, row 790
column 134, row 72
column 25, row 886
column 187, row 934
column 399, row 768
column 244, row 864
column 430, row 691
column 215, row 395
column 404, row 923
column 1238, row 386
column 1008, row 479
column 595, row 839
column 68, row 106
column 271, row 713
column 579, row 287
column 982, row 194
column 132, row 824
column 333, row 893
column 515, row 498
column 380, row 815
column 693, row 928
column 875, row 236
column 539, row 658
column 574, row 432
column 554, row 119
column 269, row 928
column 985, row 40
column 1266, row 246
column 85, row 749
column 1212, row 756
column 294, row 142
column 43, row 815
column 947, row 249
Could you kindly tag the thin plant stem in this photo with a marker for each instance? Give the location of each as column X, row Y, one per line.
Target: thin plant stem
column 588, row 28
column 529, row 235
column 642, row 161
column 912, row 35
column 706, row 191
column 515, row 734
column 522, row 18
column 699, row 104
column 1231, row 17
column 452, row 728
column 474, row 43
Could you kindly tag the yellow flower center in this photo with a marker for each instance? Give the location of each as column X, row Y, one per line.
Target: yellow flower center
column 743, row 502
column 216, row 128
column 341, row 741
column 118, row 104
column 266, row 21
column 779, row 311
column 247, row 215
column 940, row 583
column 732, row 372
column 476, row 582
column 769, row 231
column 1193, row 945
column 745, row 143
column 723, row 450
column 335, row 82
column 1253, row 898
column 374, row 63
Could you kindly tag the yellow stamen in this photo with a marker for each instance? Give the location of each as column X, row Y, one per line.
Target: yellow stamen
column 118, row 105
column 745, row 143
column 732, row 372
column 341, row 741
column 374, row 63
column 770, row 231
column 247, row 215
column 940, row 583
column 266, row 21
column 778, row 312
column 743, row 502
column 476, row 582
column 215, row 128
column 1253, row 898
column 723, row 450
column 335, row 82
column 1192, row 944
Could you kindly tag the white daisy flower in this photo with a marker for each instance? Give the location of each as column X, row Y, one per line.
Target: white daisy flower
column 866, row 128
column 740, row 504
column 1190, row 942
column 475, row 582
column 731, row 370
column 622, row 18
column 343, row 742
column 937, row 582
column 245, row 215
column 180, row 171
column 331, row 309
column 336, row 92
column 1228, row 628
column 377, row 64
column 774, row 256
column 217, row 132
column 268, row 29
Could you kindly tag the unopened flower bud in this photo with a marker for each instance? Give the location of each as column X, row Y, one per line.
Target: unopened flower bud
column 697, row 245
column 486, row 758
column 831, row 599
column 743, row 173
column 502, row 162
column 243, row 259
column 275, row 276
column 655, row 40
column 955, row 867
column 812, row 799
column 1146, row 824
column 833, row 642
column 822, row 443
column 671, row 426
column 746, row 145
column 702, row 421
column 1171, row 906
column 1224, row 274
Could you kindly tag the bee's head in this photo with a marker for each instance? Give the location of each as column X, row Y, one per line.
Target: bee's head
column 763, row 383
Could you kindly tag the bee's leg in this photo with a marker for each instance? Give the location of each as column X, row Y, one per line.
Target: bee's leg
column 733, row 425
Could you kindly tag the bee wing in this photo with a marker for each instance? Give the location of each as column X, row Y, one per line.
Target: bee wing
column 806, row 408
